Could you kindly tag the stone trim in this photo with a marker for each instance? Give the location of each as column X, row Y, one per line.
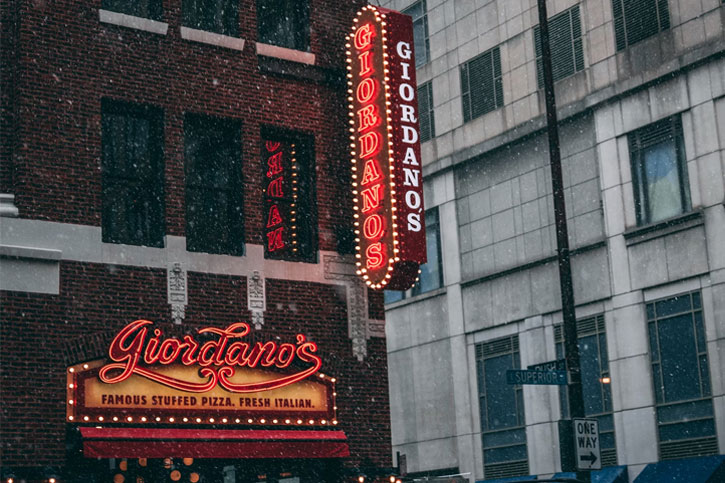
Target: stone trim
column 212, row 38
column 661, row 228
column 7, row 205
column 268, row 50
column 133, row 22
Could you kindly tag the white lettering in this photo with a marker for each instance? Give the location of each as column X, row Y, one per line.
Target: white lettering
column 403, row 49
column 406, row 70
column 412, row 199
column 410, row 157
column 414, row 222
column 410, row 135
column 408, row 113
column 406, row 92
column 411, row 177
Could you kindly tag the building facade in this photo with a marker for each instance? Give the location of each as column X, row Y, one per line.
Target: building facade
column 640, row 95
column 175, row 178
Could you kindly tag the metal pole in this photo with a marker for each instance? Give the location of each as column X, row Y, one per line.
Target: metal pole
column 571, row 348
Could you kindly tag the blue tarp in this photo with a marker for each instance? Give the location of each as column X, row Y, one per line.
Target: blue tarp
column 706, row 469
column 610, row 474
column 515, row 478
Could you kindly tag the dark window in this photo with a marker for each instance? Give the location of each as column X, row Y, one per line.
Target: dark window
column 596, row 385
column 681, row 377
column 425, row 109
column 290, row 211
column 659, row 174
column 431, row 272
column 285, row 23
column 214, row 208
column 420, row 32
column 503, row 426
column 635, row 20
column 133, row 174
column 565, row 39
column 219, row 16
column 140, row 8
column 481, row 87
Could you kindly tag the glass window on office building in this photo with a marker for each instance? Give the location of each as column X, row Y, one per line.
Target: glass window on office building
column 596, row 382
column 659, row 172
column 151, row 9
column 284, row 23
column 565, row 39
column 636, row 20
column 132, row 168
column 681, row 376
column 419, row 13
column 213, row 159
column 426, row 116
column 218, row 16
column 431, row 272
column 481, row 87
column 503, row 429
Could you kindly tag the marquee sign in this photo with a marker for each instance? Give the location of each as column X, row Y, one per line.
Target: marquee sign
column 223, row 379
column 385, row 149
column 280, row 197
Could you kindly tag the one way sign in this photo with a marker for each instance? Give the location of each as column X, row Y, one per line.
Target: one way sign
column 586, row 442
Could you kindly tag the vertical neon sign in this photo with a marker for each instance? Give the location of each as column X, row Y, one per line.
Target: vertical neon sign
column 280, row 197
column 387, row 182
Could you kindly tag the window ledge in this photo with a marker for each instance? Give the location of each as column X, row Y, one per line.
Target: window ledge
column 212, row 38
column 293, row 55
column 133, row 22
column 33, row 253
column 416, row 298
column 661, row 228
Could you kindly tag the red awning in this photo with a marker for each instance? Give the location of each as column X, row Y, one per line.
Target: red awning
column 211, row 443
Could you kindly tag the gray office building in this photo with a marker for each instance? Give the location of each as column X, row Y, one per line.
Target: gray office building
column 640, row 87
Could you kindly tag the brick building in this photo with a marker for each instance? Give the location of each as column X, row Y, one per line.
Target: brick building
column 183, row 163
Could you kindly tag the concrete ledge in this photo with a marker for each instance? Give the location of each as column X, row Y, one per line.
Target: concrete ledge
column 12, row 251
column 212, row 38
column 133, row 22
column 268, row 50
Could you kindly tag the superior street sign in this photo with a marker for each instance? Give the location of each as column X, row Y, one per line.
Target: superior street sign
column 586, row 442
column 519, row 376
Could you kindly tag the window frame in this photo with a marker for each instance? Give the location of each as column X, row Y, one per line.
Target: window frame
column 592, row 326
column 425, row 91
column 235, row 243
column 496, row 85
column 622, row 36
column 490, row 349
column 639, row 142
column 668, row 448
column 301, row 40
column 190, row 18
column 423, row 18
column 155, row 8
column 573, row 15
column 152, row 184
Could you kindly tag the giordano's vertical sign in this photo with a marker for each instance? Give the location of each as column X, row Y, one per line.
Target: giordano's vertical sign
column 385, row 149
column 218, row 376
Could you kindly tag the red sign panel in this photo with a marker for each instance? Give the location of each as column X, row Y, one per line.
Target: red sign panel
column 280, row 197
column 222, row 378
column 387, row 178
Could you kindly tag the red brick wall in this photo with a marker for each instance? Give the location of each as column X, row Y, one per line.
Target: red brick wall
column 69, row 61
column 41, row 334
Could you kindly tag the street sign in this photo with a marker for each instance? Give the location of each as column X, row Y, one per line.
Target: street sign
column 519, row 376
column 586, row 442
column 557, row 365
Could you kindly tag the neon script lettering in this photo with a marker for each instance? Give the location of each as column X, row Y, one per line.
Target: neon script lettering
column 135, row 350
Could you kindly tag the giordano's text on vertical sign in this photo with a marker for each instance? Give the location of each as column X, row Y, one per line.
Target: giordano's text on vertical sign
column 385, row 149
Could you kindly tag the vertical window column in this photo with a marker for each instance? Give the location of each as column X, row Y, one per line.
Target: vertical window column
column 503, row 428
column 681, row 377
column 132, row 168
column 481, row 85
column 419, row 12
column 214, row 193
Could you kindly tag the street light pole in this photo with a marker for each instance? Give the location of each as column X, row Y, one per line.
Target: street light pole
column 571, row 348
